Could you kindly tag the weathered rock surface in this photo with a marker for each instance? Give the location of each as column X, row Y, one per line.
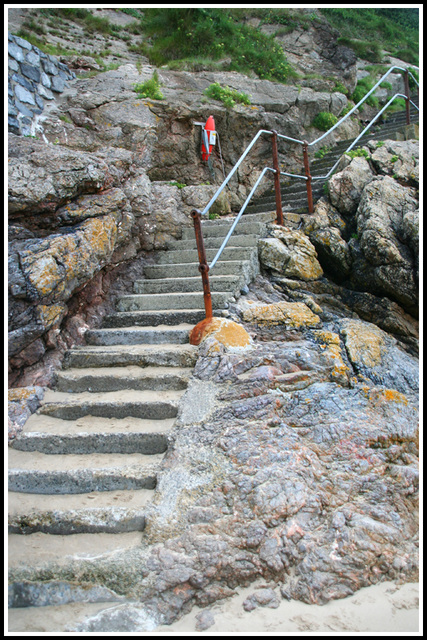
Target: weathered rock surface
column 366, row 233
column 301, row 469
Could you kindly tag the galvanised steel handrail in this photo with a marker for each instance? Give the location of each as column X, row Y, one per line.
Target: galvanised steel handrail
column 204, row 268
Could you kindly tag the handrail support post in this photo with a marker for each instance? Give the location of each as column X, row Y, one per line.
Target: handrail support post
column 203, row 265
column 307, row 173
column 408, row 117
column 279, row 210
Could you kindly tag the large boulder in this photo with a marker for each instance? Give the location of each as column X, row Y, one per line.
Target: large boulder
column 289, row 253
column 384, row 253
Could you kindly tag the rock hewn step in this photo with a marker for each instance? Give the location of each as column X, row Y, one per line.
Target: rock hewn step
column 148, row 405
column 154, row 318
column 34, row 472
column 116, row 378
column 95, row 512
column 187, row 285
column 192, row 300
column 230, row 267
column 221, row 228
column 190, row 255
column 140, row 335
column 142, row 355
column 214, row 242
column 149, row 443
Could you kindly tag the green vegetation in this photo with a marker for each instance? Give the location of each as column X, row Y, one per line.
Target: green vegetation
column 362, row 88
column 180, row 185
column 394, row 158
column 357, row 153
column 226, row 95
column 324, row 120
column 322, row 152
column 367, row 31
column 149, row 88
column 213, row 34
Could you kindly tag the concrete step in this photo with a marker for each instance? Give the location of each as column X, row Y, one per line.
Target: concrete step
column 212, row 228
column 170, row 301
column 236, row 240
column 35, row 472
column 116, row 378
column 178, row 334
column 116, row 511
column 184, row 270
column 191, row 255
column 148, row 405
column 186, row 285
column 177, row 355
column 154, row 318
column 72, row 442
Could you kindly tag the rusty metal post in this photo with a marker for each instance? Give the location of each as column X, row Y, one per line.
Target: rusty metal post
column 408, row 117
column 203, row 265
column 307, row 173
column 279, row 210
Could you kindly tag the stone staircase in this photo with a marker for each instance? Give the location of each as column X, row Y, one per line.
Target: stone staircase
column 86, row 464
column 294, row 192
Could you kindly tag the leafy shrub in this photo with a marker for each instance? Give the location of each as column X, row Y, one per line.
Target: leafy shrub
column 321, row 152
column 149, row 88
column 324, row 120
column 362, row 88
column 226, row 95
column 357, row 153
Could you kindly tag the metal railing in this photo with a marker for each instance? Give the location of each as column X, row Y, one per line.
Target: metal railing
column 197, row 215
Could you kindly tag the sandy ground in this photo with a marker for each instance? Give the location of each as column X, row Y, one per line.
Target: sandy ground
column 385, row 608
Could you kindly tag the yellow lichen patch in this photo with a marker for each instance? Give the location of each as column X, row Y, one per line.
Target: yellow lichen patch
column 364, row 342
column 327, row 337
column 293, row 315
column 226, row 332
column 20, row 393
column 387, row 395
column 49, row 314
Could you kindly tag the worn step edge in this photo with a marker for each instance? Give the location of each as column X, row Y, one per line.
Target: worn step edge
column 139, row 335
column 138, row 355
column 154, row 318
column 190, row 284
column 86, row 443
column 96, row 512
column 34, row 472
column 170, row 300
column 114, row 379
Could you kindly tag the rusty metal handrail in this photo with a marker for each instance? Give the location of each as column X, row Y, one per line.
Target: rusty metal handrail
column 204, row 268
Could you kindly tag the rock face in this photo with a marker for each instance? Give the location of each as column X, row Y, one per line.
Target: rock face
column 366, row 232
column 106, row 176
column 300, row 467
column 34, row 77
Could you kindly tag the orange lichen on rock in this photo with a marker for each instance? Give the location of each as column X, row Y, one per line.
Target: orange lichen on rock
column 227, row 332
column 387, row 395
column 293, row 315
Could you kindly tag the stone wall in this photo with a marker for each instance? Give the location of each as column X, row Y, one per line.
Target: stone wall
column 33, row 78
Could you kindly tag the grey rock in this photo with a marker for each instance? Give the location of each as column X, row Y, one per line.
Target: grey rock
column 23, row 109
column 23, row 43
column 57, row 84
column 261, row 598
column 11, row 109
column 23, row 81
column 13, row 64
column 50, row 67
column 45, row 80
column 24, row 95
column 13, row 125
column 204, row 620
column 15, row 51
column 30, row 71
column 33, row 58
column 45, row 92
